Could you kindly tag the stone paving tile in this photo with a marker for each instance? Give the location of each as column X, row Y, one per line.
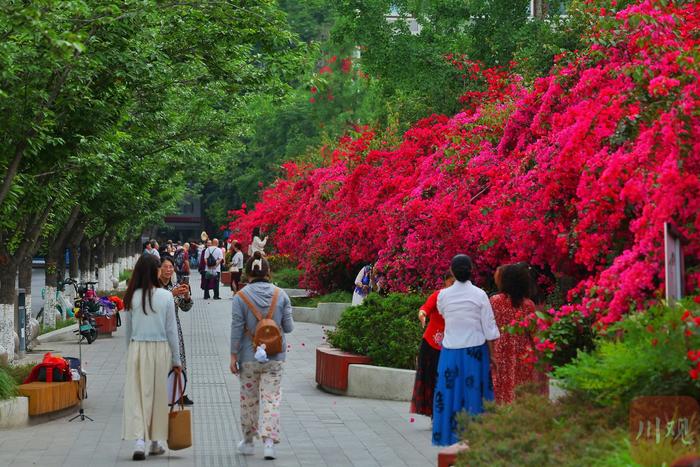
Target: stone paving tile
column 318, row 429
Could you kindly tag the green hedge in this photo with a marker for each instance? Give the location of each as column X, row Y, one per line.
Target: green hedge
column 8, row 386
column 18, row 372
column 643, row 355
column 383, row 328
column 339, row 296
column 286, row 278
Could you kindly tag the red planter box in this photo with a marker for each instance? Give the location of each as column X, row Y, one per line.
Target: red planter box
column 106, row 325
column 448, row 456
column 332, row 367
column 226, row 277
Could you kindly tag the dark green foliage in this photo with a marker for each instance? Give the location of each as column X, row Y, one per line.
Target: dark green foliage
column 383, row 328
column 8, row 386
column 644, row 354
column 287, row 278
column 534, row 432
column 18, row 372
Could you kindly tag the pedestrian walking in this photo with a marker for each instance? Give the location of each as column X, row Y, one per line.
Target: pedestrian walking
column 464, row 368
column 236, row 267
column 151, row 335
column 213, row 258
column 182, row 262
column 262, row 314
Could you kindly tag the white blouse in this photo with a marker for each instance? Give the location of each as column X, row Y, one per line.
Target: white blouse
column 257, row 245
column 469, row 319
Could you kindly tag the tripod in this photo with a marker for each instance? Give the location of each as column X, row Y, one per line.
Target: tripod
column 82, row 390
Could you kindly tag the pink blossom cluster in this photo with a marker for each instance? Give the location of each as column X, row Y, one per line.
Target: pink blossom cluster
column 575, row 175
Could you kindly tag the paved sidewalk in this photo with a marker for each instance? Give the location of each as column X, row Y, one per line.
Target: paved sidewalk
column 318, row 429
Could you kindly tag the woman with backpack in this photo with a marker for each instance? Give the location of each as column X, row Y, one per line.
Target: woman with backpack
column 151, row 336
column 262, row 314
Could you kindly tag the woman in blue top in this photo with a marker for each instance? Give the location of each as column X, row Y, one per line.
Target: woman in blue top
column 151, row 335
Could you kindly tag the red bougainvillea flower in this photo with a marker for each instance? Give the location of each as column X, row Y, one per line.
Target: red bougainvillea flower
column 575, row 174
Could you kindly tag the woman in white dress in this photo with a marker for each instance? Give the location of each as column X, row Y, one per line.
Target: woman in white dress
column 257, row 244
column 363, row 285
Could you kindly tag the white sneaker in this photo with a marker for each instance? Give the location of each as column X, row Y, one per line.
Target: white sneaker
column 156, row 449
column 139, row 450
column 246, row 448
column 269, row 449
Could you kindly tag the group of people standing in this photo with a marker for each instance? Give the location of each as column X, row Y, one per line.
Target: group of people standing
column 465, row 357
column 156, row 347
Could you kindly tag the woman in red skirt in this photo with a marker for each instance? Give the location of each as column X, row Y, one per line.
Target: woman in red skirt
column 428, row 354
column 511, row 304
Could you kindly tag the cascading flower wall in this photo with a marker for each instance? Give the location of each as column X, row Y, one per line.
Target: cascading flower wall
column 575, row 174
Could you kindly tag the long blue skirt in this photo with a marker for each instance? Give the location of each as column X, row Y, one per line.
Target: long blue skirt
column 464, row 382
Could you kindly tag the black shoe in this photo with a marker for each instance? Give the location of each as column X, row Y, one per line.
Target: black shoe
column 217, row 298
column 187, row 401
column 139, row 456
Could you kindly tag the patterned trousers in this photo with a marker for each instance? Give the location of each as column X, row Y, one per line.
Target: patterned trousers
column 261, row 382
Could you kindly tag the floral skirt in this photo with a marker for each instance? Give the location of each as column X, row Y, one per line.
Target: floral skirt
column 463, row 383
column 426, row 375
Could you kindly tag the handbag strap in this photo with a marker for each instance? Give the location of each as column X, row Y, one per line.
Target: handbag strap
column 176, row 386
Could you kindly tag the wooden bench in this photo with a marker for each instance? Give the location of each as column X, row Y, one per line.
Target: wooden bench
column 447, row 457
column 332, row 366
column 52, row 397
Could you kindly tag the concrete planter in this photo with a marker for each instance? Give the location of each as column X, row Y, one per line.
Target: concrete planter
column 14, row 412
column 378, row 382
column 63, row 334
column 348, row 374
column 327, row 314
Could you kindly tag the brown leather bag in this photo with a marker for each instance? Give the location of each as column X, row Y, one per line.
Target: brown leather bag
column 266, row 331
column 179, row 421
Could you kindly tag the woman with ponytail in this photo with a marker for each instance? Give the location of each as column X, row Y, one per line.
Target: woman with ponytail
column 259, row 367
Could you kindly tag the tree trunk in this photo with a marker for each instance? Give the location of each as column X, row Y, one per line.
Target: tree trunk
column 74, row 270
column 8, row 301
column 101, row 262
column 25, row 282
column 50, row 288
column 84, row 258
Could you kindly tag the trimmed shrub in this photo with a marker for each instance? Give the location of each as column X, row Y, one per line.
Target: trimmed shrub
column 8, row 386
column 385, row 329
column 18, row 372
column 286, row 278
column 645, row 354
